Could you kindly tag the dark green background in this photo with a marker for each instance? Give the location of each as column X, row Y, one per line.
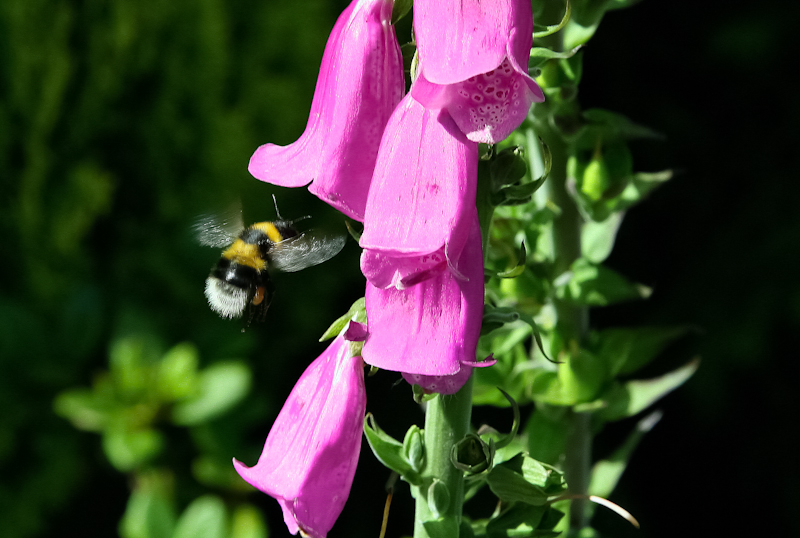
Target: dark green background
column 121, row 121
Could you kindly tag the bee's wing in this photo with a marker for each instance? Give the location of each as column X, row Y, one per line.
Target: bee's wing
column 219, row 230
column 305, row 250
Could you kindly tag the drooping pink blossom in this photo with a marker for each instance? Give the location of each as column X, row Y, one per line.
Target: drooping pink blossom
column 310, row 456
column 448, row 384
column 431, row 327
column 360, row 82
column 474, row 63
column 422, row 191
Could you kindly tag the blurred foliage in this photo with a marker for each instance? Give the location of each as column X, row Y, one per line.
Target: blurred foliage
column 120, row 122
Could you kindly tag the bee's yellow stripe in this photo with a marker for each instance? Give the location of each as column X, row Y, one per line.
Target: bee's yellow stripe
column 246, row 254
column 269, row 229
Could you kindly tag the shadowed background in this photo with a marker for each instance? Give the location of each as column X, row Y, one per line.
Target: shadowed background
column 122, row 121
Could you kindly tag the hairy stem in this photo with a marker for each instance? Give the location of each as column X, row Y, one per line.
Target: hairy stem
column 572, row 320
column 447, row 421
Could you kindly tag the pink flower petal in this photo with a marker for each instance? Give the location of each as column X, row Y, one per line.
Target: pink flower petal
column 432, row 327
column 448, row 384
column 360, row 82
column 458, row 39
column 474, row 59
column 425, row 179
column 311, row 452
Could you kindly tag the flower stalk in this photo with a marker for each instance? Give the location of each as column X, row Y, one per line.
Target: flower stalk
column 572, row 319
column 447, row 421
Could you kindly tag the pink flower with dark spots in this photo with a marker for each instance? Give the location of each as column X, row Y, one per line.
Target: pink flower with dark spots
column 474, row 63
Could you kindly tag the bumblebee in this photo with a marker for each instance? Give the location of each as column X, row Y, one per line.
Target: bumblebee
column 240, row 280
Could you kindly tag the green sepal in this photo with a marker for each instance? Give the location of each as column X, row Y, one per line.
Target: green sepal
column 414, row 448
column 632, row 397
column 400, row 9
column 357, row 312
column 247, row 522
column 438, row 498
column 205, row 517
column 473, row 455
column 592, row 284
column 626, row 350
column 354, row 232
column 518, row 269
column 220, row 387
column 420, row 395
column 552, row 29
column 495, row 317
column 389, row 451
column 511, row 435
column 606, row 473
column 507, row 167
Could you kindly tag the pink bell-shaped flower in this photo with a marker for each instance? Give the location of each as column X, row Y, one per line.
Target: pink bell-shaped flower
column 360, row 82
column 422, row 193
column 474, row 63
column 310, row 456
column 429, row 330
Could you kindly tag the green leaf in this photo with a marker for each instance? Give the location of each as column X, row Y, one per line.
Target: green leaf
column 221, row 387
column 523, row 479
column 540, row 55
column 552, row 29
column 247, row 522
column 606, row 473
column 635, row 396
column 510, row 486
column 518, row 269
column 205, row 517
column 596, row 285
column 597, row 238
column 130, row 362
column 177, row 372
column 357, row 312
column 149, row 512
column 128, row 450
column 441, row 528
column 400, row 9
column 611, row 125
column 389, row 451
column 625, row 350
column 641, row 184
column 547, row 431
column 86, row 410
column 520, row 519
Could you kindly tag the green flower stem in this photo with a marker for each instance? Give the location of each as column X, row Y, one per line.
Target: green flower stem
column 447, row 421
column 572, row 320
